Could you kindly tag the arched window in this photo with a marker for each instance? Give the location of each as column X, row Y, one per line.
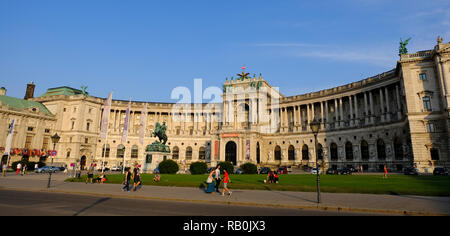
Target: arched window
column 188, row 153
column 348, row 151
column 320, row 151
column 398, row 149
column 120, row 151
column 134, row 151
column 201, row 153
column 291, row 153
column 277, row 153
column 175, row 153
column 305, row 152
column 105, row 151
column 381, row 149
column 364, row 150
column 333, row 152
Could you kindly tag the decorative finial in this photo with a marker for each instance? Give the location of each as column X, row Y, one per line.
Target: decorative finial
column 439, row 39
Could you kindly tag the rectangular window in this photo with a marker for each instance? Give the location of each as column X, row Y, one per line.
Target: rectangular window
column 430, row 128
column 86, row 140
column 423, row 76
column 427, row 103
column 47, row 131
column 30, row 128
column 87, row 126
column 434, row 154
column 68, row 155
column 73, row 124
column 28, row 142
column 45, row 143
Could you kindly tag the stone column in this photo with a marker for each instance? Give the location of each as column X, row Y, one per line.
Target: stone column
column 366, row 107
column 382, row 105
column 399, row 113
column 356, row 110
column 352, row 122
column 341, row 113
column 322, row 125
column 308, row 115
column 336, row 112
column 372, row 113
column 388, row 114
column 326, row 115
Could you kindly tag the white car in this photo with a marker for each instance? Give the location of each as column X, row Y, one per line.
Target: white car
column 314, row 171
column 116, row 168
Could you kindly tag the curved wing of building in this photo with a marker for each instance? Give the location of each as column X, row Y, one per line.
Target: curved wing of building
column 398, row 118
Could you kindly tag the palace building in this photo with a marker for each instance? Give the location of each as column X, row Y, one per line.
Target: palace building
column 399, row 118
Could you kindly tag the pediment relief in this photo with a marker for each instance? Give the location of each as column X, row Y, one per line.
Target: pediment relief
column 425, row 93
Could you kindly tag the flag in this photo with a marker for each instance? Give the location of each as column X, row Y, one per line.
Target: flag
column 143, row 124
column 125, row 125
column 105, row 117
column 9, row 138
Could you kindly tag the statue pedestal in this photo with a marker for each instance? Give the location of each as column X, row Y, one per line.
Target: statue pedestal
column 152, row 160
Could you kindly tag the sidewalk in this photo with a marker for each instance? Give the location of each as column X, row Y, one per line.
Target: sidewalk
column 384, row 204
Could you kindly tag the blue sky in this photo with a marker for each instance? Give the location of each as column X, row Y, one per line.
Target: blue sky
column 144, row 49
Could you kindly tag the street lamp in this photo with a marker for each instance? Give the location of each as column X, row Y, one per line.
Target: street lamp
column 55, row 140
column 315, row 127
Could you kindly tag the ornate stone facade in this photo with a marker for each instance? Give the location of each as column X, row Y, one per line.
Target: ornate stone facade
column 399, row 118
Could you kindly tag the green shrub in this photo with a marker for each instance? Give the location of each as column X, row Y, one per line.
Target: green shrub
column 198, row 168
column 227, row 166
column 168, row 167
column 249, row 168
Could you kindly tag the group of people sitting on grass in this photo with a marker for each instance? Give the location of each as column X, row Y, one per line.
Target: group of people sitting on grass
column 272, row 178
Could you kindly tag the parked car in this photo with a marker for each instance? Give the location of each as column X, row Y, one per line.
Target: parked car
column 238, row 171
column 314, row 171
column 116, row 168
column 440, row 171
column 100, row 169
column 332, row 171
column 282, row 170
column 264, row 170
column 289, row 168
column 61, row 168
column 47, row 169
column 410, row 171
column 345, row 171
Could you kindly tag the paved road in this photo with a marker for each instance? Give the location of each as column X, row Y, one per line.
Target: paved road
column 286, row 202
column 19, row 203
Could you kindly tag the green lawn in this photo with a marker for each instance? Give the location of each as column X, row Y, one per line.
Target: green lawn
column 373, row 184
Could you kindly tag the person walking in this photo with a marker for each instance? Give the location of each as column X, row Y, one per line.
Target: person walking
column 5, row 168
column 24, row 169
column 385, row 172
column 226, row 180
column 136, row 178
column 19, row 167
column 217, row 178
column 127, row 180
column 90, row 174
column 210, row 183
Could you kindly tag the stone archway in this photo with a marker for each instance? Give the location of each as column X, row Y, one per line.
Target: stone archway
column 231, row 152
column 258, row 153
column 83, row 162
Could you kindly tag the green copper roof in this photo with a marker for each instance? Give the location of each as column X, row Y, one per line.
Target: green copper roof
column 68, row 91
column 21, row 104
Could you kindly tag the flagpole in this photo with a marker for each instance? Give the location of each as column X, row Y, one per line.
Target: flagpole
column 8, row 146
column 129, row 106
column 106, row 114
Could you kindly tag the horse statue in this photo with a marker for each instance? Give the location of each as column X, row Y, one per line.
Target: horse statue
column 160, row 132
